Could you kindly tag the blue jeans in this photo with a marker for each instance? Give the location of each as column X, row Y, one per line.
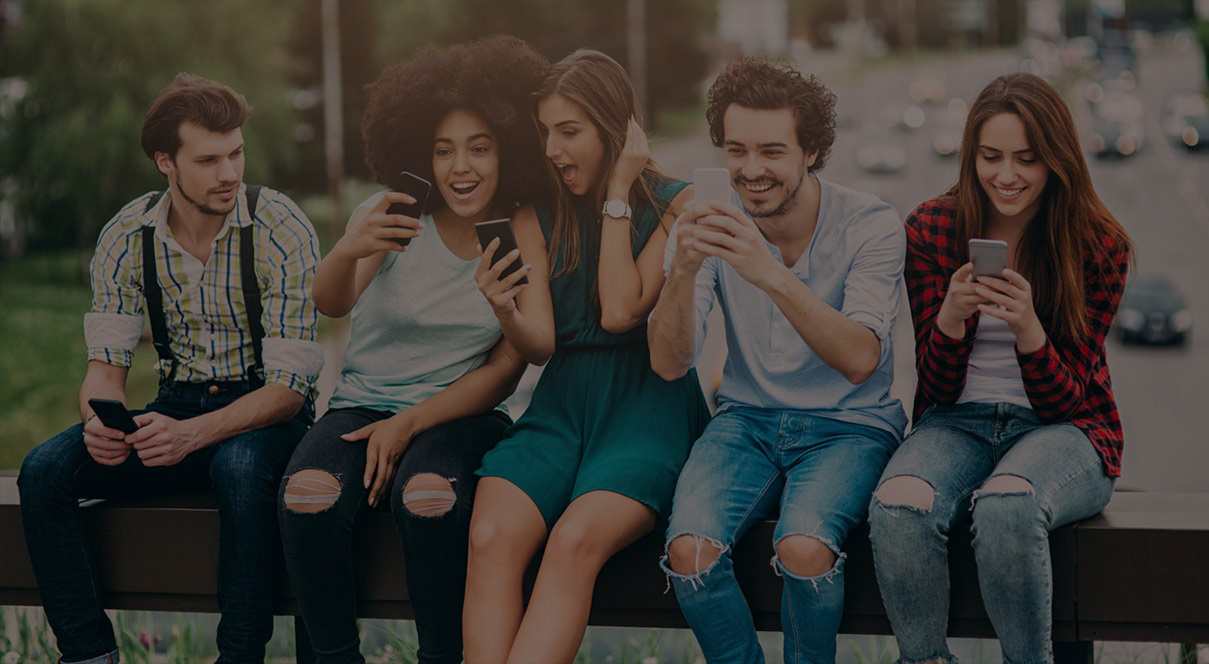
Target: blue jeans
column 244, row 472
column 749, row 462
column 319, row 544
column 957, row 450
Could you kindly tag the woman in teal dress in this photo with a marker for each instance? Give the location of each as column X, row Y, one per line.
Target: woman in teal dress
column 593, row 462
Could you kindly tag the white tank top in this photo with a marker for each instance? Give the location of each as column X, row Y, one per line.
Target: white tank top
column 420, row 325
column 993, row 374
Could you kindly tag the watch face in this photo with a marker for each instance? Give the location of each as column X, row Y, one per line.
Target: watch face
column 616, row 208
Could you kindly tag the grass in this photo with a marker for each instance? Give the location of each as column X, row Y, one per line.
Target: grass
column 680, row 120
column 44, row 299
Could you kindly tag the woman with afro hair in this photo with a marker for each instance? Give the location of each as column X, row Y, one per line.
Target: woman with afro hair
column 418, row 401
column 592, row 464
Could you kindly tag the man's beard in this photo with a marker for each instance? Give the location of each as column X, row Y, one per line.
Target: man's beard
column 202, row 207
column 782, row 209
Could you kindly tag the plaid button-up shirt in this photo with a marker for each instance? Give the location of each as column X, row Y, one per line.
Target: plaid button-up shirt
column 204, row 307
column 1064, row 381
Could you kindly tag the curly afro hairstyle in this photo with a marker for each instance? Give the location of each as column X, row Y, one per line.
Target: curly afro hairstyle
column 491, row 77
column 758, row 84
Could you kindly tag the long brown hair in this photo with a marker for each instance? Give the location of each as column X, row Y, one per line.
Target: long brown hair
column 1072, row 224
column 601, row 87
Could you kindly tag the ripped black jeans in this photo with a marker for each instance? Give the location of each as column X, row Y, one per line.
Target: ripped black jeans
column 321, row 496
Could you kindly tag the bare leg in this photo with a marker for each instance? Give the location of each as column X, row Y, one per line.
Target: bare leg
column 595, row 526
column 506, row 529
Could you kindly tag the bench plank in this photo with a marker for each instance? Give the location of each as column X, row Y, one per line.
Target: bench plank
column 1143, row 569
column 1150, row 586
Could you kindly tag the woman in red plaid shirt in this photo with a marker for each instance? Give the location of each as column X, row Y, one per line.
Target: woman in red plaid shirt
column 1015, row 422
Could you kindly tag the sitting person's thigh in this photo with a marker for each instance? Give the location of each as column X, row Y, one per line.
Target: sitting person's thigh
column 1058, row 464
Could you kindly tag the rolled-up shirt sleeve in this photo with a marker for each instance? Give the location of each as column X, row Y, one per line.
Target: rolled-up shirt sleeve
column 873, row 289
column 113, row 327
column 288, row 257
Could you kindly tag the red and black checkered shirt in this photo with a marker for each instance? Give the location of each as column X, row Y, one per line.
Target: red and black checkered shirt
column 1065, row 382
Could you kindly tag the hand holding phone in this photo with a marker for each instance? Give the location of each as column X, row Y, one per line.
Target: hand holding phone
column 113, row 414
column 416, row 187
column 500, row 229
column 988, row 256
column 712, row 185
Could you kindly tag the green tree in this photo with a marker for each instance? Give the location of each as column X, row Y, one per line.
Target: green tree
column 92, row 68
column 676, row 59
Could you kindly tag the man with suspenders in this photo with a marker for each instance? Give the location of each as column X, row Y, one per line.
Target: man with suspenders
column 224, row 272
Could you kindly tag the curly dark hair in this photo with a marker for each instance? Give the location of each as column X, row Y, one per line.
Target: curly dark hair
column 758, row 84
column 491, row 77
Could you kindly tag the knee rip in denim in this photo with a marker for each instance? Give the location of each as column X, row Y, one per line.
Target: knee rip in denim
column 429, row 494
column 311, row 490
column 1003, row 485
column 906, row 492
column 780, row 569
column 681, row 542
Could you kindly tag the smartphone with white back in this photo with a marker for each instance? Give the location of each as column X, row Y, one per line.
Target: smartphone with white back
column 712, row 185
column 989, row 257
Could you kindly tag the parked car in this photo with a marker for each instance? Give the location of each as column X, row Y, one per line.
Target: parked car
column 1117, row 129
column 1186, row 120
column 1152, row 311
column 1112, row 138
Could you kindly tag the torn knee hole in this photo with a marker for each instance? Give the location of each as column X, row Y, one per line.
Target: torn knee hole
column 693, row 554
column 906, row 491
column 1006, row 484
column 429, row 494
column 806, row 555
column 311, row 490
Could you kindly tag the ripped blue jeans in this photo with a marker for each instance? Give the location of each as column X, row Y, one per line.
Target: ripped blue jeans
column 1016, row 479
column 749, row 463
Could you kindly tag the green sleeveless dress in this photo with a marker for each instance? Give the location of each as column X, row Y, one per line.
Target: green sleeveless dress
column 600, row 418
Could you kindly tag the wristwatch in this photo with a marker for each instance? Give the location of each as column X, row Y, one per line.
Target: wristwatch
column 617, row 208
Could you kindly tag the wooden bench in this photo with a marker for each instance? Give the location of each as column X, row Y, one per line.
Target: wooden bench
column 1137, row 572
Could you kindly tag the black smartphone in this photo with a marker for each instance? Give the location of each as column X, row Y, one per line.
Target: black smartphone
column 415, row 186
column 113, row 415
column 502, row 229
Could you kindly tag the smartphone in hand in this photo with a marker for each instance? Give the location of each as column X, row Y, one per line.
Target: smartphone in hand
column 989, row 257
column 712, row 185
column 113, row 414
column 502, row 229
column 416, row 187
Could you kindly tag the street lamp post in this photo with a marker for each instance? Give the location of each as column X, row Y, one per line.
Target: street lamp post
column 333, row 109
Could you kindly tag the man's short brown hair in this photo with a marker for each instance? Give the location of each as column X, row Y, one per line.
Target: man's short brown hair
column 189, row 98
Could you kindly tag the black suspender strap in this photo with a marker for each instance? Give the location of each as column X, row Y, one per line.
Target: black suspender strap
column 248, row 284
column 155, row 298
column 155, row 304
column 251, row 288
